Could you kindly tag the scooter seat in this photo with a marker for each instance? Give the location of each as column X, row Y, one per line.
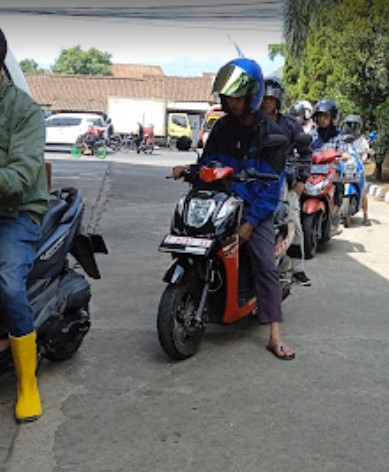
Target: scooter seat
column 57, row 208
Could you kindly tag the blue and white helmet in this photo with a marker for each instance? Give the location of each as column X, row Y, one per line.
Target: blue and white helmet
column 241, row 77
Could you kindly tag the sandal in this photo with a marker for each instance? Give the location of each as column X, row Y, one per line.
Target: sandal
column 279, row 350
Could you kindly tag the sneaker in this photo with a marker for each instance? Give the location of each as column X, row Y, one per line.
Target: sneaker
column 366, row 222
column 302, row 279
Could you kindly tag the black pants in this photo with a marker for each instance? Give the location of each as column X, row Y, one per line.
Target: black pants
column 267, row 284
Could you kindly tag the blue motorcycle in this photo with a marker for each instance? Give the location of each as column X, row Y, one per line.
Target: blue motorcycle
column 351, row 173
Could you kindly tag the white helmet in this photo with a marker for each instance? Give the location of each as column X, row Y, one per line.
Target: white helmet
column 308, row 108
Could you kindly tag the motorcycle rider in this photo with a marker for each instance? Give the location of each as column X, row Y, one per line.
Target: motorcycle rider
column 88, row 140
column 140, row 136
column 326, row 115
column 24, row 199
column 302, row 110
column 353, row 124
column 236, row 137
column 272, row 104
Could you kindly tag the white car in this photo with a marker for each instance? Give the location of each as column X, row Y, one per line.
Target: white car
column 65, row 128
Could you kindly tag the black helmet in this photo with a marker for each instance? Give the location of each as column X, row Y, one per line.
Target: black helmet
column 240, row 77
column 353, row 124
column 274, row 88
column 327, row 106
column 298, row 111
column 307, row 107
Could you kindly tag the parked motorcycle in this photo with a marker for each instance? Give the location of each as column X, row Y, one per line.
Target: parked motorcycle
column 58, row 291
column 90, row 144
column 317, row 201
column 352, row 174
column 146, row 146
column 210, row 279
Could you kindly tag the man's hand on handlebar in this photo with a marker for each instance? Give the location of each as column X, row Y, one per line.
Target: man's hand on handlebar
column 177, row 171
column 245, row 232
column 298, row 188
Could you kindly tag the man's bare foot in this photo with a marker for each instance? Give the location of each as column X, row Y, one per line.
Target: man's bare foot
column 280, row 350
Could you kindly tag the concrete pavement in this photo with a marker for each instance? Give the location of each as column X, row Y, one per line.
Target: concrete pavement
column 121, row 405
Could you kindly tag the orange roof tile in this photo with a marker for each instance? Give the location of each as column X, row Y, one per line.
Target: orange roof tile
column 135, row 70
column 89, row 93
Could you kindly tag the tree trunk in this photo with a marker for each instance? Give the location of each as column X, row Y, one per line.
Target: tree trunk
column 378, row 171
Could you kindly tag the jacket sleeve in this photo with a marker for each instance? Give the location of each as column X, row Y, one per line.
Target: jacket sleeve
column 25, row 153
column 267, row 194
column 304, row 152
column 265, row 203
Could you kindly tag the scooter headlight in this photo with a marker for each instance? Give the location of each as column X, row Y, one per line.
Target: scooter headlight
column 199, row 212
column 226, row 210
column 317, row 188
column 350, row 167
column 180, row 205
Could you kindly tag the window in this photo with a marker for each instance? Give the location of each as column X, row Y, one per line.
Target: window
column 71, row 121
column 97, row 122
column 62, row 121
column 179, row 121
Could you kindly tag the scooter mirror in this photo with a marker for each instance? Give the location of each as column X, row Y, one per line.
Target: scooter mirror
column 303, row 139
column 275, row 140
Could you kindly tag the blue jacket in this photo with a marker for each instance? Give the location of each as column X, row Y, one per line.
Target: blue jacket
column 244, row 147
column 321, row 136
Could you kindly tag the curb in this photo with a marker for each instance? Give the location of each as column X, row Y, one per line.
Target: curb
column 377, row 191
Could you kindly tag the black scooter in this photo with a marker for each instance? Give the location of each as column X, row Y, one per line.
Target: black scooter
column 58, row 291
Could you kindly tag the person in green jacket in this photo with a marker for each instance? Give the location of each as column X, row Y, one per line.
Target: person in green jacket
column 23, row 201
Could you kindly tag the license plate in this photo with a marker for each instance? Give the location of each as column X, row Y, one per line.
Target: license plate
column 348, row 178
column 319, row 168
column 172, row 243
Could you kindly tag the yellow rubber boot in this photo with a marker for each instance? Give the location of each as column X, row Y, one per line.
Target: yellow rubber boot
column 28, row 405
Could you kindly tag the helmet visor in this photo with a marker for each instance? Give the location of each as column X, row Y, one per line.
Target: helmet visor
column 273, row 92
column 233, row 81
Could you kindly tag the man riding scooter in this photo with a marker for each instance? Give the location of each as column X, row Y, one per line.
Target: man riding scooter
column 238, row 139
column 24, row 199
column 353, row 125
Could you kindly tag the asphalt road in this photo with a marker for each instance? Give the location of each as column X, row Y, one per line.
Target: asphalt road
column 121, row 405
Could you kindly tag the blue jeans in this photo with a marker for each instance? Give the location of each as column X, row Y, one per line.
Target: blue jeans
column 18, row 243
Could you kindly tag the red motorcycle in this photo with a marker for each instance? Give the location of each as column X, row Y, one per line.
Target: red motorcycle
column 210, row 279
column 317, row 201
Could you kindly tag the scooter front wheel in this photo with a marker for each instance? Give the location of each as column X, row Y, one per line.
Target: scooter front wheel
column 309, row 223
column 179, row 331
column 346, row 212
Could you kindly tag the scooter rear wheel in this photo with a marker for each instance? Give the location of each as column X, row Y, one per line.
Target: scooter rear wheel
column 178, row 331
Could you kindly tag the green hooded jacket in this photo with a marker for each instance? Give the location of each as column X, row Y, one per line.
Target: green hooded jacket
column 23, row 181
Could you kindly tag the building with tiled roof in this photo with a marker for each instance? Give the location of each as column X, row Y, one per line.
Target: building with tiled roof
column 135, row 70
column 90, row 93
column 81, row 93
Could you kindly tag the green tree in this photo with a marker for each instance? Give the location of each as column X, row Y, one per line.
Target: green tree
column 275, row 50
column 299, row 15
column 29, row 66
column 381, row 147
column 340, row 49
column 76, row 61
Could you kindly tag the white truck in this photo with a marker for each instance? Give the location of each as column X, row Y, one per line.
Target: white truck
column 170, row 128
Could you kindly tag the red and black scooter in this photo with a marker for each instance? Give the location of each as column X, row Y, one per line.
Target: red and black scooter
column 209, row 280
column 317, row 201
